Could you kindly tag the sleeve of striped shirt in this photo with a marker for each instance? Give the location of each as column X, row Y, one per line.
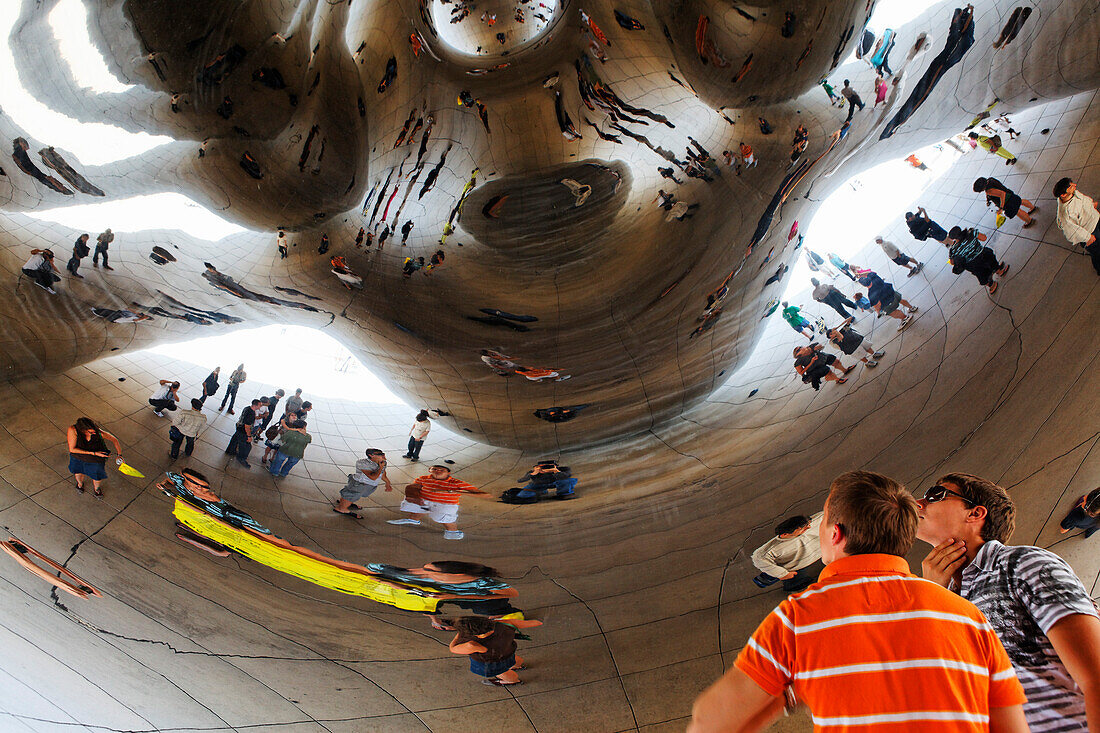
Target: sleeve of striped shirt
column 460, row 484
column 1005, row 689
column 768, row 657
column 1047, row 585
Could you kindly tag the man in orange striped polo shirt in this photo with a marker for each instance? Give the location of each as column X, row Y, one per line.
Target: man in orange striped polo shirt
column 870, row 646
column 439, row 493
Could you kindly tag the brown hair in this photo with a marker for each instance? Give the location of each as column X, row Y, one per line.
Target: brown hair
column 875, row 512
column 465, row 568
column 474, row 625
column 1000, row 518
column 1092, row 503
column 85, row 423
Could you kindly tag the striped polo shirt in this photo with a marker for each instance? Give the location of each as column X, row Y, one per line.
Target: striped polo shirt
column 442, row 491
column 1024, row 591
column 871, row 647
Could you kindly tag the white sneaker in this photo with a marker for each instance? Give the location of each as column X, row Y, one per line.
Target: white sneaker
column 872, row 363
column 404, row 520
column 905, row 322
column 914, row 309
column 453, row 534
column 158, row 413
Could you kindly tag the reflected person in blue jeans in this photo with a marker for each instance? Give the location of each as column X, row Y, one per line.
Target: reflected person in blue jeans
column 548, row 475
column 291, row 450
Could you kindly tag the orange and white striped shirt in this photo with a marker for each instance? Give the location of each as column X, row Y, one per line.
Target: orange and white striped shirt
column 871, row 647
column 442, row 491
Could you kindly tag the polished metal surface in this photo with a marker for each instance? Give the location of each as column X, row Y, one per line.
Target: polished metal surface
column 336, row 120
column 533, row 166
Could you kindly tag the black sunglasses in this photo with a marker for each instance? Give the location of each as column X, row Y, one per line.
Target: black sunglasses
column 939, row 493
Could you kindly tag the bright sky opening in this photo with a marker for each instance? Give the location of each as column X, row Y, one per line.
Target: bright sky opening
column 93, row 143
column 289, row 357
column 143, row 213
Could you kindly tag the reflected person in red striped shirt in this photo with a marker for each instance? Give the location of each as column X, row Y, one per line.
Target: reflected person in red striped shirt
column 435, row 495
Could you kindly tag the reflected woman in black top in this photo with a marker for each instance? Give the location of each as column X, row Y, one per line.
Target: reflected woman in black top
column 88, row 453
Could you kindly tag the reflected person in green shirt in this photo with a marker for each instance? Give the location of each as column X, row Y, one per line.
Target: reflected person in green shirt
column 294, row 442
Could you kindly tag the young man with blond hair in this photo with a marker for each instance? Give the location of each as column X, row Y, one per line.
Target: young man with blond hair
column 870, row 646
column 1034, row 601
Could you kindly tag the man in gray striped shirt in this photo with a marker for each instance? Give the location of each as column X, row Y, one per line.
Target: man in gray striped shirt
column 1032, row 598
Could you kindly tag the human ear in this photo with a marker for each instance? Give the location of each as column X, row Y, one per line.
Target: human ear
column 836, row 535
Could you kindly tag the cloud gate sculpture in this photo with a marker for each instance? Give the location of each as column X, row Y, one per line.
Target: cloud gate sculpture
column 556, row 226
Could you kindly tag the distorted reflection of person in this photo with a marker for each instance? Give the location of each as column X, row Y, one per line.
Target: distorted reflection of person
column 967, row 253
column 793, row 555
column 240, row 445
column 369, row 472
column 491, row 647
column 291, row 448
column 471, row 586
column 224, row 282
column 580, row 191
column 419, row 432
column 848, row 340
column 435, row 495
column 561, row 414
column 210, row 384
column 542, row 477
column 41, row 268
column 55, row 160
column 23, row 161
column 410, row 265
column 186, row 426
column 165, row 397
column 885, row 299
column 88, row 453
column 345, row 274
column 498, row 362
column 120, row 316
column 1085, row 515
column 102, row 245
column 921, row 226
column 194, row 488
column 960, row 38
column 536, row 374
column 80, row 251
column 814, row 365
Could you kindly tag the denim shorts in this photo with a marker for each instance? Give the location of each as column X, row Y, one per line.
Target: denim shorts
column 492, row 669
column 94, row 471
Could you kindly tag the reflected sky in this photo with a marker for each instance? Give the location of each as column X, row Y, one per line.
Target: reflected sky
column 69, row 20
column 289, row 356
column 141, row 213
column 867, row 205
column 93, row 143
